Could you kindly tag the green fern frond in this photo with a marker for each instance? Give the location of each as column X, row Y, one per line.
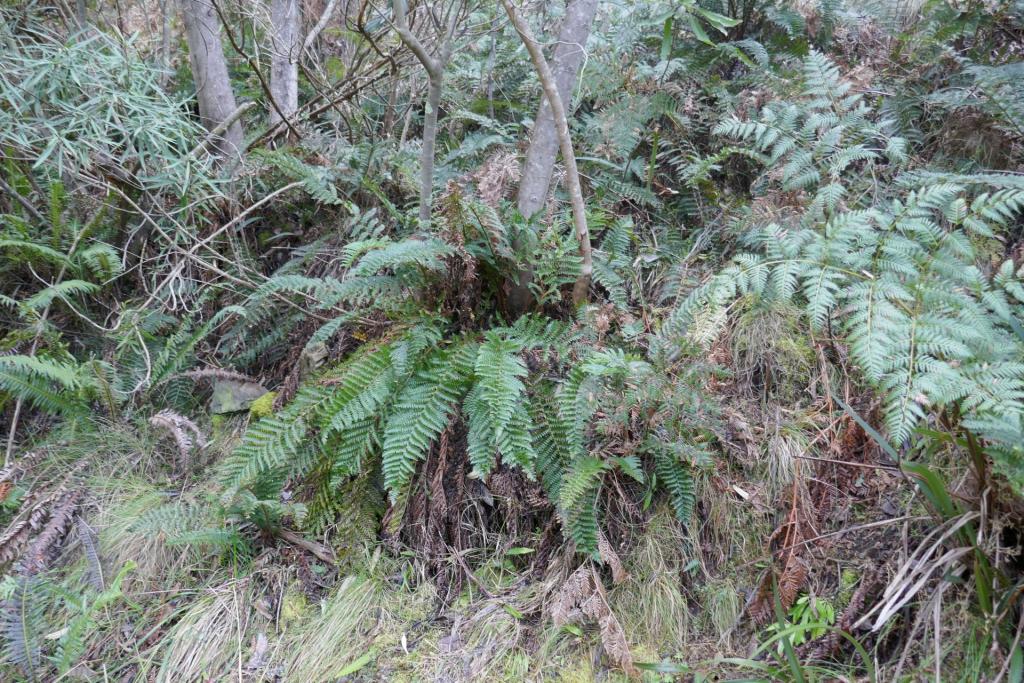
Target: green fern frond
column 422, row 410
column 68, row 288
column 425, row 253
column 46, row 384
column 677, row 480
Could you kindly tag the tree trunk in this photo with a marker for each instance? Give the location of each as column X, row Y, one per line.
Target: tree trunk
column 210, row 72
column 581, row 290
column 165, row 43
column 565, row 66
column 284, row 58
column 535, row 175
column 434, row 86
column 434, row 66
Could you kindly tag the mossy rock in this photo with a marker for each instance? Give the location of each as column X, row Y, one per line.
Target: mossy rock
column 294, row 606
column 232, row 396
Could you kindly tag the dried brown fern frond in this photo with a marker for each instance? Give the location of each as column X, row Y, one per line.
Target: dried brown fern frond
column 582, row 597
column 496, row 176
column 44, row 547
column 611, row 558
column 30, row 518
column 185, row 432
column 789, row 573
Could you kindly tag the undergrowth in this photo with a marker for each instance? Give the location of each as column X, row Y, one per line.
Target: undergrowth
column 265, row 422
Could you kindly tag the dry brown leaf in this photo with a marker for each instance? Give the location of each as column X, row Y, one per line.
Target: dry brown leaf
column 611, row 558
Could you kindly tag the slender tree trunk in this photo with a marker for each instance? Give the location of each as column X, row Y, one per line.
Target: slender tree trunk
column 535, row 175
column 165, row 42
column 581, row 289
column 489, row 89
column 210, row 71
column 434, row 66
column 434, row 86
column 391, row 110
column 284, row 58
column 565, row 65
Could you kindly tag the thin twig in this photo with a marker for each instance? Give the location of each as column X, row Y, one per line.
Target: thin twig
column 847, row 463
column 21, row 200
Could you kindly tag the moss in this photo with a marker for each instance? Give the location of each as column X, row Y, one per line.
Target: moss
column 847, row 584
column 293, row 606
column 263, row 406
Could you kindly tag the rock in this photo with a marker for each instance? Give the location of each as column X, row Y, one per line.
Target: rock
column 233, row 396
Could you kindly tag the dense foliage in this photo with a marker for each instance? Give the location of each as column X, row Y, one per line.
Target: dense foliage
column 318, row 351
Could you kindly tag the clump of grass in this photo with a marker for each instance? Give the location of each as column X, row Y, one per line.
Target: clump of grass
column 722, row 608
column 122, row 503
column 363, row 619
column 732, row 530
column 783, row 452
column 212, row 640
column 339, row 635
column 772, row 358
column 650, row 603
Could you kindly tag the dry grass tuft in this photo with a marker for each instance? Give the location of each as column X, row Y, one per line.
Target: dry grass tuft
column 211, row 641
column 650, row 603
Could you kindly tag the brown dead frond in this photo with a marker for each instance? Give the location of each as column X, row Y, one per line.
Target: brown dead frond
column 499, row 173
column 185, row 432
column 34, row 512
column 611, row 558
column 44, row 546
column 789, row 572
column 581, row 598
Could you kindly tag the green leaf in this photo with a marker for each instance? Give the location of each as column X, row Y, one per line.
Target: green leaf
column 718, row 21
column 698, row 30
column 666, row 40
column 356, row 664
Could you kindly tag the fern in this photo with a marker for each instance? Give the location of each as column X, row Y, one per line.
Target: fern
column 426, row 254
column 277, row 445
column 316, row 180
column 46, row 384
column 22, row 614
column 422, row 411
column 924, row 323
column 677, row 479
